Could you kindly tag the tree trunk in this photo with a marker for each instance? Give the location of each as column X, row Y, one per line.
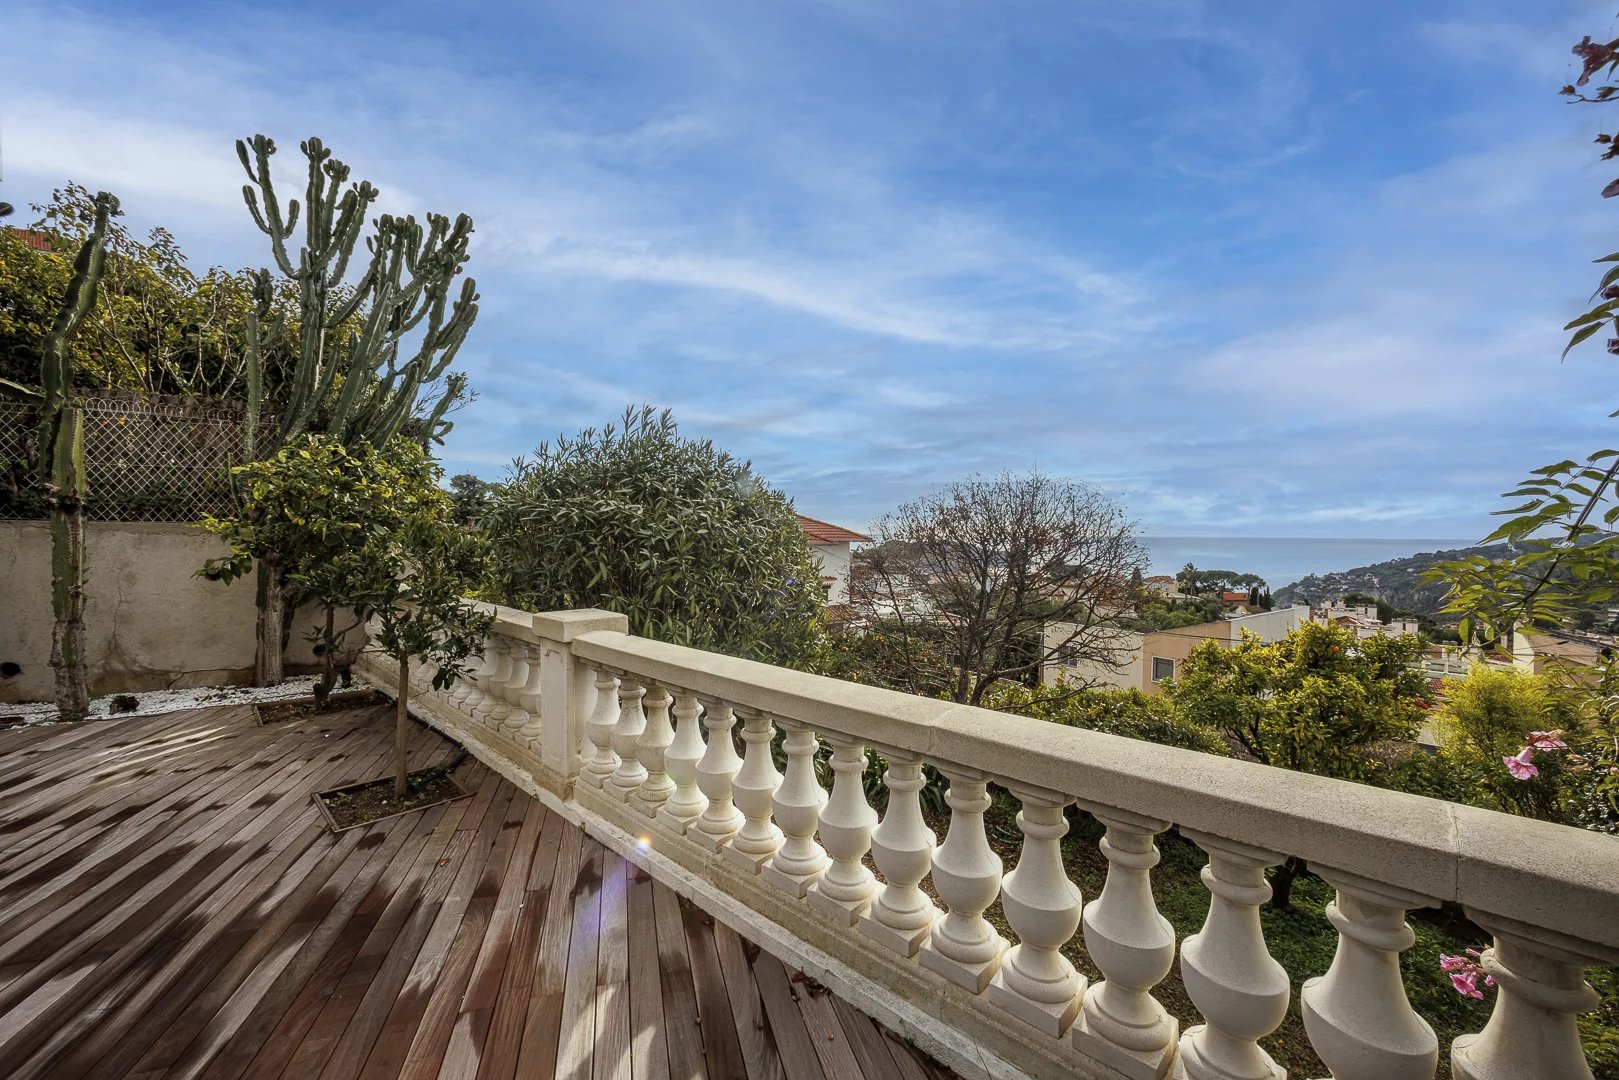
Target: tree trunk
column 272, row 601
column 1281, row 883
column 328, row 661
column 401, row 727
column 67, row 568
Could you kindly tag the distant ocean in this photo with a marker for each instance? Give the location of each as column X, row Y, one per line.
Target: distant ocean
column 1279, row 560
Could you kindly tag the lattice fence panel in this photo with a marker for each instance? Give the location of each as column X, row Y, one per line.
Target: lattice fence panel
column 146, row 459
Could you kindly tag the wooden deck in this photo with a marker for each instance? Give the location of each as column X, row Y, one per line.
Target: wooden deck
column 172, row 904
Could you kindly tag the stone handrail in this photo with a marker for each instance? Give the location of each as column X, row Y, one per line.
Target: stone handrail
column 611, row 728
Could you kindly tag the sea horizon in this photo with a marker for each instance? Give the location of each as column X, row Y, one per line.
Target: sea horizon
column 1283, row 560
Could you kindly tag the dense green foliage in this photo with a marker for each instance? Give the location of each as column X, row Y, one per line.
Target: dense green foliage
column 160, row 328
column 672, row 532
column 1128, row 712
column 1156, row 613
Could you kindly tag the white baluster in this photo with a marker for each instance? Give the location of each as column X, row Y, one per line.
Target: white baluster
column 844, row 890
column 901, row 916
column 650, row 751
column 964, row 947
column 1036, row 983
column 528, row 695
column 1239, row 988
column 720, row 819
column 1120, row 1022
column 1540, row 988
column 464, row 692
column 603, row 718
column 511, row 688
column 491, row 709
column 626, row 735
column 1357, row 1015
column 798, row 802
column 687, row 803
column 753, row 789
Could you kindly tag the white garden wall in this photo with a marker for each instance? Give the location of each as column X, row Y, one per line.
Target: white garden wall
column 150, row 623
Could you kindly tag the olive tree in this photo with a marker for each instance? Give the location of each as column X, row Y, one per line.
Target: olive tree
column 676, row 534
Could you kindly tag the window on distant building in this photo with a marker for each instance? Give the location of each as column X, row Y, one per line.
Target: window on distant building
column 1163, row 667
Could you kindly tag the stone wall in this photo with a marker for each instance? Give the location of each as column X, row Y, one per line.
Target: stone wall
column 150, row 623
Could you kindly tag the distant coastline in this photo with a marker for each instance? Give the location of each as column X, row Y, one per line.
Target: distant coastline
column 1283, row 560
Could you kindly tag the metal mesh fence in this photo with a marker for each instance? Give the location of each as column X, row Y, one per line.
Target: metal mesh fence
column 147, row 459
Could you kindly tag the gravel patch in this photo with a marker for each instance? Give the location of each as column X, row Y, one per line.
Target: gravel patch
column 162, row 701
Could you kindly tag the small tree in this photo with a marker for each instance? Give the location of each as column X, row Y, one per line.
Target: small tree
column 312, row 508
column 1318, row 701
column 1016, row 571
column 672, row 532
column 411, row 582
column 471, row 495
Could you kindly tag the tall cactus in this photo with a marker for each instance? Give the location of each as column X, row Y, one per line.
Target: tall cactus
column 382, row 376
column 61, row 465
column 369, row 386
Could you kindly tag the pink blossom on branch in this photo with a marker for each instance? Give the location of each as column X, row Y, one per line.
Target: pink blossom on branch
column 1465, row 973
column 1521, row 767
column 1547, row 740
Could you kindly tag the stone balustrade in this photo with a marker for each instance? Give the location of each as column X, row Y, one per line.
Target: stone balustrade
column 742, row 785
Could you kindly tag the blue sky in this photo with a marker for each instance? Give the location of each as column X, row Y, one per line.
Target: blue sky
column 1288, row 270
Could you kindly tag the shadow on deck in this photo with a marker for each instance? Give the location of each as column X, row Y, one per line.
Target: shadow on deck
column 172, row 904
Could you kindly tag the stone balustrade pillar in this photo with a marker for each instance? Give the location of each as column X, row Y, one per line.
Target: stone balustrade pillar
column 630, row 774
column 528, row 695
column 716, row 771
column 798, row 802
column 1540, row 989
column 1133, row 946
column 1230, row 976
column 845, row 887
column 650, row 751
column 1036, row 983
column 1357, row 1015
column 753, row 789
column 963, row 946
column 603, row 718
column 565, row 694
column 687, row 802
column 901, row 916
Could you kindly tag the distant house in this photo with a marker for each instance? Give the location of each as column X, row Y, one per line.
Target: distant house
column 1162, row 584
column 832, row 543
column 1540, row 653
column 1361, row 620
column 1152, row 658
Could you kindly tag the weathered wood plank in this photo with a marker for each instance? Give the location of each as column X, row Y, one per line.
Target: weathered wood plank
column 759, row 1054
column 649, row 1051
column 683, row 1032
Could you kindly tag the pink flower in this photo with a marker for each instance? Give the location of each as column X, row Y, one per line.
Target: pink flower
column 1520, row 767
column 1466, row 982
column 1547, row 740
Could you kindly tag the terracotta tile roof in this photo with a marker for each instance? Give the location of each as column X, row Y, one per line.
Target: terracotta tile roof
column 819, row 532
column 37, row 240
